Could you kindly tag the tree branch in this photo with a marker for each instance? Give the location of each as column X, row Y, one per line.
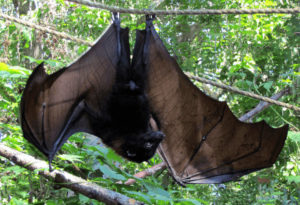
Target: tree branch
column 65, row 179
column 262, row 105
column 147, row 172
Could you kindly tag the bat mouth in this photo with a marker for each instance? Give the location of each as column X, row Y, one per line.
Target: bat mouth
column 130, row 153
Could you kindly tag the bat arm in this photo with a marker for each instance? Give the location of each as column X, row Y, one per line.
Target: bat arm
column 218, row 179
column 30, row 135
column 64, row 134
column 177, row 179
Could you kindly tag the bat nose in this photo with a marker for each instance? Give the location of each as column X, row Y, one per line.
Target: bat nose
column 156, row 137
column 159, row 135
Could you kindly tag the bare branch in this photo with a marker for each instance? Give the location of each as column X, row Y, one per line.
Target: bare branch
column 65, row 179
column 262, row 105
column 148, row 172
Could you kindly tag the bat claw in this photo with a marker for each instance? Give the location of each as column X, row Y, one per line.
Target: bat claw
column 50, row 165
column 50, row 168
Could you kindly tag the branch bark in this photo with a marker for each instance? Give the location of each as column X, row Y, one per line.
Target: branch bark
column 65, row 179
column 147, row 172
column 262, row 105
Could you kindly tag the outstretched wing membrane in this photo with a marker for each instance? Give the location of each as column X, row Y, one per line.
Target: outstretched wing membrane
column 53, row 107
column 205, row 142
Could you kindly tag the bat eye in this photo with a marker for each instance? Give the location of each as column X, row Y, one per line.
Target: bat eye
column 148, row 145
column 130, row 154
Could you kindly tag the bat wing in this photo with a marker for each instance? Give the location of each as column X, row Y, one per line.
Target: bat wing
column 205, row 142
column 53, row 107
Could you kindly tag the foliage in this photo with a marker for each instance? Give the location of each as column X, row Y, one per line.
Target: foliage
column 257, row 53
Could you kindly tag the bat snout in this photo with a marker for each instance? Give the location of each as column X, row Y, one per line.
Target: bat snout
column 158, row 136
column 142, row 147
column 154, row 139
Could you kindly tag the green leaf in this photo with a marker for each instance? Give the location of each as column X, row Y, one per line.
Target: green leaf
column 16, row 169
column 108, row 172
column 70, row 157
column 157, row 192
column 83, row 199
column 54, row 63
column 7, row 75
column 268, row 85
column 113, row 156
column 193, row 201
column 15, row 201
column 33, row 60
column 14, row 69
column 82, row 49
column 12, row 28
column 140, row 195
column 295, row 179
column 3, row 66
column 51, row 202
column 294, row 136
column 14, row 128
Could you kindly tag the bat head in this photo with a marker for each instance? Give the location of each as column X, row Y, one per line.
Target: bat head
column 141, row 148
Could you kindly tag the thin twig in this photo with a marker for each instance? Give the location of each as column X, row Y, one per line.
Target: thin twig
column 45, row 29
column 261, row 106
column 186, row 12
column 242, row 92
column 147, row 172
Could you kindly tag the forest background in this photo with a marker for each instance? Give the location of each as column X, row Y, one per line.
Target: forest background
column 257, row 53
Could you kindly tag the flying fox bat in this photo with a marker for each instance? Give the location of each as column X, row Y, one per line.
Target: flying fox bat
column 205, row 142
column 101, row 93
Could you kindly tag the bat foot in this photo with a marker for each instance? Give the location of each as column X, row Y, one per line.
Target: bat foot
column 50, row 166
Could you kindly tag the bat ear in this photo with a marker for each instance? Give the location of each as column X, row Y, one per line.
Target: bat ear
column 37, row 77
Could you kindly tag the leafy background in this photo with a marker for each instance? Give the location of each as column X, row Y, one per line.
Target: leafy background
column 257, row 53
